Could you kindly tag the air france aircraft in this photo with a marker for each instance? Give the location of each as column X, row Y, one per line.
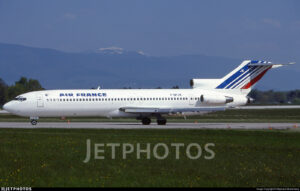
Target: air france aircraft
column 206, row 95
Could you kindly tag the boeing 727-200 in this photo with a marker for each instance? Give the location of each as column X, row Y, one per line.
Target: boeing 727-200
column 206, row 95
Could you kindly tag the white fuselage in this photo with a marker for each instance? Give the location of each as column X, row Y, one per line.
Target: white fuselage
column 107, row 102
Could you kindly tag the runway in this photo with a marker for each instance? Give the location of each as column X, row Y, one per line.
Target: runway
column 111, row 125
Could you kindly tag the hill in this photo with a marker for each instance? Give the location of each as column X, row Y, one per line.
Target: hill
column 117, row 68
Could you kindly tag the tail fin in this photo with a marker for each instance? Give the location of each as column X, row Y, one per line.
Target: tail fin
column 246, row 75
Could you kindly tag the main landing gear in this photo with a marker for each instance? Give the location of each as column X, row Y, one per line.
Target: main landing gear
column 160, row 121
column 146, row 121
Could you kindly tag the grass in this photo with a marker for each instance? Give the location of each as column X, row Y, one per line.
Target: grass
column 266, row 115
column 54, row 157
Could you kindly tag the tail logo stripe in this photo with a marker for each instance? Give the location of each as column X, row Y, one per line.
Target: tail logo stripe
column 250, row 71
column 254, row 71
column 233, row 77
column 247, row 80
column 252, row 82
column 238, row 78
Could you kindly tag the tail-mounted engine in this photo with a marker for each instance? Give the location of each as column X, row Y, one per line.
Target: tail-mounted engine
column 216, row 99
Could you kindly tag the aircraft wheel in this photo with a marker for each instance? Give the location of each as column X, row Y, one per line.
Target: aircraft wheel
column 146, row 121
column 33, row 122
column 161, row 121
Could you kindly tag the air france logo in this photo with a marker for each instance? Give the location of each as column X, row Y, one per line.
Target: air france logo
column 242, row 70
column 83, row 95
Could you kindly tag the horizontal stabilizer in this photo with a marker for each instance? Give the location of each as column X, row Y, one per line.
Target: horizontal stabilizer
column 265, row 63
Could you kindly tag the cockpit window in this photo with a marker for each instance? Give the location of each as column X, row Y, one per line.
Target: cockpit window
column 19, row 98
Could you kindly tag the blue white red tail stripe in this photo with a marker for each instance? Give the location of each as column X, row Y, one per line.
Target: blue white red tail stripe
column 233, row 77
column 245, row 75
column 247, row 78
column 254, row 75
column 254, row 80
column 240, row 79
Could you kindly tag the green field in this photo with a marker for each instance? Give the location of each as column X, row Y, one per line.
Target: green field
column 266, row 115
column 54, row 157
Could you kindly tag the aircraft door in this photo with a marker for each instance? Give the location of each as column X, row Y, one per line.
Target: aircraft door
column 40, row 100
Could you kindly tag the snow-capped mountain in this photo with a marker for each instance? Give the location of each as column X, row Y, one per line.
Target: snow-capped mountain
column 113, row 50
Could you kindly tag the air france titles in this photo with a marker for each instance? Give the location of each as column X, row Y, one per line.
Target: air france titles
column 82, row 95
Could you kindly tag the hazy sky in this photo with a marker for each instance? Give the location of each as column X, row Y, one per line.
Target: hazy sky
column 262, row 29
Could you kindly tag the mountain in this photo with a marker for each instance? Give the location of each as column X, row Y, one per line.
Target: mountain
column 117, row 51
column 115, row 67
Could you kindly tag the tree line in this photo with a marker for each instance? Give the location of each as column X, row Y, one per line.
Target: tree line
column 21, row 86
column 275, row 97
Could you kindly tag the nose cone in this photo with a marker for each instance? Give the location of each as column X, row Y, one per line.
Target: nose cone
column 8, row 107
column 5, row 106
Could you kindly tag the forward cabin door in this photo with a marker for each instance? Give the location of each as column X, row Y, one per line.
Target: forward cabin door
column 40, row 100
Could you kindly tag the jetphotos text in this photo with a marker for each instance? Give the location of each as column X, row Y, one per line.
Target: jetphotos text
column 159, row 151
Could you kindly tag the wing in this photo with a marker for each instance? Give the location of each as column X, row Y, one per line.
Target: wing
column 152, row 110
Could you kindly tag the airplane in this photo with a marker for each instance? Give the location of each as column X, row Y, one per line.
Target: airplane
column 206, row 95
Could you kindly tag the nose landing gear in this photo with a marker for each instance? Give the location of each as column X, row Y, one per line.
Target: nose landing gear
column 33, row 120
